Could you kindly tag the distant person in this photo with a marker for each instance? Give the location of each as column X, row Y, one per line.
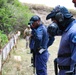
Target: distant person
column 39, row 42
column 66, row 57
column 74, row 1
column 27, row 34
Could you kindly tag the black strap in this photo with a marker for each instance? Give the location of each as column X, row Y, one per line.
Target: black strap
column 64, row 55
column 64, row 67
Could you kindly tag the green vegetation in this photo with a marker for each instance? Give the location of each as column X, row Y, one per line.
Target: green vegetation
column 13, row 16
column 3, row 39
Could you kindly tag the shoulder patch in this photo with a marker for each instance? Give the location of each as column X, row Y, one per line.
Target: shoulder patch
column 74, row 39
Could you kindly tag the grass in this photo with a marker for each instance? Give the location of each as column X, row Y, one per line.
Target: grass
column 13, row 67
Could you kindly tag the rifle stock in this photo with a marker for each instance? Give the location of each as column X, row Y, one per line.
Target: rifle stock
column 55, row 66
column 33, row 62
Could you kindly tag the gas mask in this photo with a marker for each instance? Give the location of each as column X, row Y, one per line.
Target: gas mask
column 61, row 15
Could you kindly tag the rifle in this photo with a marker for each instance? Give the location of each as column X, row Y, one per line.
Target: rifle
column 55, row 66
column 72, row 72
column 33, row 61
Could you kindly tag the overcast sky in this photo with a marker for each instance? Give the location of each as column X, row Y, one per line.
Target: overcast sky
column 53, row 3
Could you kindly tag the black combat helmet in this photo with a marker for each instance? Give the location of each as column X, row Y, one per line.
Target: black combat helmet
column 61, row 9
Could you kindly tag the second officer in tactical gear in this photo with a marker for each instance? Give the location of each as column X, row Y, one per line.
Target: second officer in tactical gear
column 40, row 41
column 67, row 50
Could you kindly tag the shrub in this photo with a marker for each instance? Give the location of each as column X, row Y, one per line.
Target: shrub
column 3, row 39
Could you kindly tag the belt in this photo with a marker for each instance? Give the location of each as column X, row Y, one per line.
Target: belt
column 64, row 67
column 64, row 55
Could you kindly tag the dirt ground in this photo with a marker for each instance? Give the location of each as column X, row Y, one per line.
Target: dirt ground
column 22, row 65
